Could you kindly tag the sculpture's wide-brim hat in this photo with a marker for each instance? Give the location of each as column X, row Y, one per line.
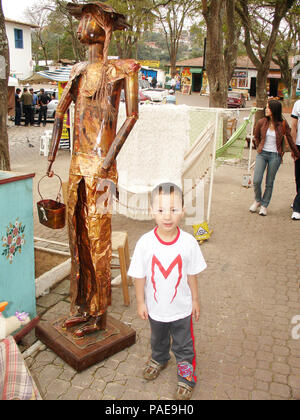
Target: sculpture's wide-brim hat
column 118, row 20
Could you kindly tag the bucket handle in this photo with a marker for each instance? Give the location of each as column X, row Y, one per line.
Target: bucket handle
column 58, row 198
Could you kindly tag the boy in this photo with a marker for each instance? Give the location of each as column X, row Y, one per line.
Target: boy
column 165, row 265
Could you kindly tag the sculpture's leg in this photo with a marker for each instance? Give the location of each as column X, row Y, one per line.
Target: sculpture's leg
column 75, row 320
column 94, row 324
column 93, row 222
column 90, row 244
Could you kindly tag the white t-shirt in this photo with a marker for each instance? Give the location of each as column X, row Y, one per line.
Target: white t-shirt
column 270, row 142
column 296, row 114
column 166, row 266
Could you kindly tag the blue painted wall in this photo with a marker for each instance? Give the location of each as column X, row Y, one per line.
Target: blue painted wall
column 17, row 274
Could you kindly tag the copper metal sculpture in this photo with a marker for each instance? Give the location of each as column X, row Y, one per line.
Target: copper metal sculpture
column 95, row 87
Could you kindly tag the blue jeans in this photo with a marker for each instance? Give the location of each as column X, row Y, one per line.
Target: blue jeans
column 296, row 206
column 272, row 161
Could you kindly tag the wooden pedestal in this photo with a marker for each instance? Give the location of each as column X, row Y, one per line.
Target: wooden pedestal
column 92, row 349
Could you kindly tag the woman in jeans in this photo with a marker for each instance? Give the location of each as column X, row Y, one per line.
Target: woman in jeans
column 268, row 137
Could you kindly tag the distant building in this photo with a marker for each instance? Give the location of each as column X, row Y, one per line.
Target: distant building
column 244, row 76
column 20, row 50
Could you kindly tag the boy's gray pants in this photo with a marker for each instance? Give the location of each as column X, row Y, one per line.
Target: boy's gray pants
column 183, row 347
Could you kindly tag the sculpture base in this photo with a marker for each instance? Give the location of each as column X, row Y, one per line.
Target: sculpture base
column 89, row 350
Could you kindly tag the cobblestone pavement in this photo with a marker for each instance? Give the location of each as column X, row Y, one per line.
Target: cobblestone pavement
column 249, row 295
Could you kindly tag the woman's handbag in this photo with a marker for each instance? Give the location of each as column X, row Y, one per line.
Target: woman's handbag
column 285, row 144
column 52, row 213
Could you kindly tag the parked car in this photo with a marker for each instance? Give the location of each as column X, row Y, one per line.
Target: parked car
column 51, row 108
column 52, row 105
column 236, row 100
column 142, row 97
column 144, row 84
column 155, row 95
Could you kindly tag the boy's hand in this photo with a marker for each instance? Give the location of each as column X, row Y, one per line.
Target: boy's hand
column 142, row 311
column 196, row 310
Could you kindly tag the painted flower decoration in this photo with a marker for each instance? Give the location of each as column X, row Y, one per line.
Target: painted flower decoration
column 13, row 241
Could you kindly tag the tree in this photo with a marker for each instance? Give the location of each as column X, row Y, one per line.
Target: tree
column 286, row 44
column 255, row 31
column 172, row 18
column 59, row 13
column 38, row 15
column 221, row 49
column 197, row 35
column 140, row 19
column 4, row 74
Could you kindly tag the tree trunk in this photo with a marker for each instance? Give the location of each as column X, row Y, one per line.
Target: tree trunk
column 294, row 89
column 261, row 92
column 215, row 63
column 4, row 73
column 231, row 46
column 173, row 58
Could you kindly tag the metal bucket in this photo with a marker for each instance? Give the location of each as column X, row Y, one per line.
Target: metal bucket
column 52, row 213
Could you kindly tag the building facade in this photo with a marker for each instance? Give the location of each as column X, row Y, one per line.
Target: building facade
column 20, row 50
column 244, row 76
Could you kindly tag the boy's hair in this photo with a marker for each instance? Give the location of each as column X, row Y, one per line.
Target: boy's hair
column 167, row 188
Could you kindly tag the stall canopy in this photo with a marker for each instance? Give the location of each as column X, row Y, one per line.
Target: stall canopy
column 59, row 75
column 35, row 78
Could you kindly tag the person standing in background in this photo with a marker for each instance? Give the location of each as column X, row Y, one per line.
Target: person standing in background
column 268, row 136
column 26, row 100
column 296, row 138
column 34, row 104
column 18, row 108
column 43, row 100
column 154, row 82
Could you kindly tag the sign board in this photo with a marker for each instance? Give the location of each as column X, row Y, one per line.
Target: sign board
column 240, row 74
column 149, row 63
column 65, row 137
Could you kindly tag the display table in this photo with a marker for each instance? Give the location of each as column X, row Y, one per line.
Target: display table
column 17, row 276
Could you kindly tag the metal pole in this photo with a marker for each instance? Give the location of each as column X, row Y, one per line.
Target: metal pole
column 251, row 139
column 212, row 169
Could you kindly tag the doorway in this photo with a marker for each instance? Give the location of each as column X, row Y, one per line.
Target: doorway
column 196, row 82
column 253, row 87
column 273, row 91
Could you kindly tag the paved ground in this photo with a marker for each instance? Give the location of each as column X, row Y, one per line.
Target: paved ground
column 249, row 295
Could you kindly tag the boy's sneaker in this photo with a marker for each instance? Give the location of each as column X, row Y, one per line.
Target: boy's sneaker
column 296, row 215
column 184, row 391
column 153, row 369
column 254, row 207
column 263, row 211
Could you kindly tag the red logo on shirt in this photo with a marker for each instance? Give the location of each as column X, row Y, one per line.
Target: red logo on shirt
column 166, row 273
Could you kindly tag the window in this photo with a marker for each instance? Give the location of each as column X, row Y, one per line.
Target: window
column 240, row 80
column 18, row 38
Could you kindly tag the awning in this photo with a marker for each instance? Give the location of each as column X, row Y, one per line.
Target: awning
column 196, row 70
column 59, row 75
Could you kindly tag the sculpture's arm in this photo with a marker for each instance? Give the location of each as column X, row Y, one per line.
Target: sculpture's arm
column 61, row 109
column 131, row 88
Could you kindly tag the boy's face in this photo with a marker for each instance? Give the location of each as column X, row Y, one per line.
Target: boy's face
column 167, row 211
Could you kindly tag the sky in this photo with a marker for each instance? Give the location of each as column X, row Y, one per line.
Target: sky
column 14, row 9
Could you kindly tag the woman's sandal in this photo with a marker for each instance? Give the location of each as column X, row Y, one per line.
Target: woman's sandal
column 184, row 391
column 153, row 369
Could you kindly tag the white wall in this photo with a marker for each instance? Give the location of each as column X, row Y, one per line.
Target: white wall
column 21, row 63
